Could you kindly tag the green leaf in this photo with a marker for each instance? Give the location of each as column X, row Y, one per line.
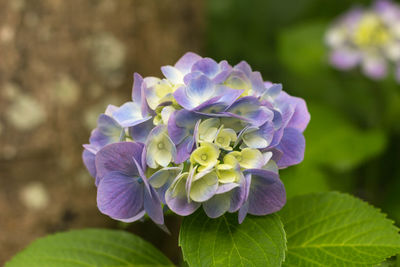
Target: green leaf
column 91, row 247
column 258, row 241
column 335, row 229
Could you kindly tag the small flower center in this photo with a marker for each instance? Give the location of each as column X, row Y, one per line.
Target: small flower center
column 371, row 32
column 239, row 158
column 220, row 140
column 246, row 136
column 160, row 145
column 204, row 157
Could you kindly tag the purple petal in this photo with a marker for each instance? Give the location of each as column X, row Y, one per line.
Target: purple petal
column 277, row 138
column 89, row 161
column 164, row 176
column 388, row 10
column 239, row 194
column 292, row 146
column 277, row 120
column 267, row 192
column 188, row 183
column 156, row 131
column 108, row 131
column 249, row 109
column 137, row 87
column 273, row 89
column 185, row 63
column 172, row 74
column 228, row 95
column 162, row 179
column 375, row 68
column 200, row 87
column 223, row 188
column 184, row 149
column 257, row 83
column 224, row 65
column 182, row 98
column 187, row 119
column 222, row 76
column 245, row 67
column 286, row 105
column 140, row 132
column 134, row 218
column 215, row 110
column 191, row 76
column 229, row 197
column 107, row 125
column 130, row 114
column 245, row 187
column 119, row 157
column 301, row 116
column 344, row 59
column 181, row 124
column 143, row 161
column 238, row 80
column 207, row 66
column 110, row 110
column 91, row 148
column 144, row 107
column 381, row 5
column 209, row 103
column 152, row 205
column 276, row 154
column 176, row 133
column 119, row 196
column 243, row 212
column 217, row 205
column 176, row 198
column 202, row 93
column 353, row 16
column 258, row 137
column 204, row 188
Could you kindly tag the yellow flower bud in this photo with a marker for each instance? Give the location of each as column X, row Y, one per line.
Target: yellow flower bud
column 206, row 156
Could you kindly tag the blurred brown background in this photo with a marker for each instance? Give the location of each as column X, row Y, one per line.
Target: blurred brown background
column 61, row 63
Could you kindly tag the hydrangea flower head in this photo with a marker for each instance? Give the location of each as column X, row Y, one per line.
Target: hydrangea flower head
column 369, row 38
column 206, row 135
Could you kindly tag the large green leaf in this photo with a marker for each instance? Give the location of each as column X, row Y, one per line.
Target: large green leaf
column 91, row 247
column 334, row 229
column 258, row 241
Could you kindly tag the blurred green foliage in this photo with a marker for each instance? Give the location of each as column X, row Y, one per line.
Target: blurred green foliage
column 353, row 139
column 334, row 147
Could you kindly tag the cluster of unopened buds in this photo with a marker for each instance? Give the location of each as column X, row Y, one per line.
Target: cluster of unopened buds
column 367, row 37
column 208, row 134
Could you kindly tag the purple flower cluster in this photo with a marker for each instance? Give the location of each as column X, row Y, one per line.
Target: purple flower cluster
column 367, row 37
column 208, row 134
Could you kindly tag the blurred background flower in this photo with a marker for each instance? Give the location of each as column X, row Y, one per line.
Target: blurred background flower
column 369, row 37
column 62, row 62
